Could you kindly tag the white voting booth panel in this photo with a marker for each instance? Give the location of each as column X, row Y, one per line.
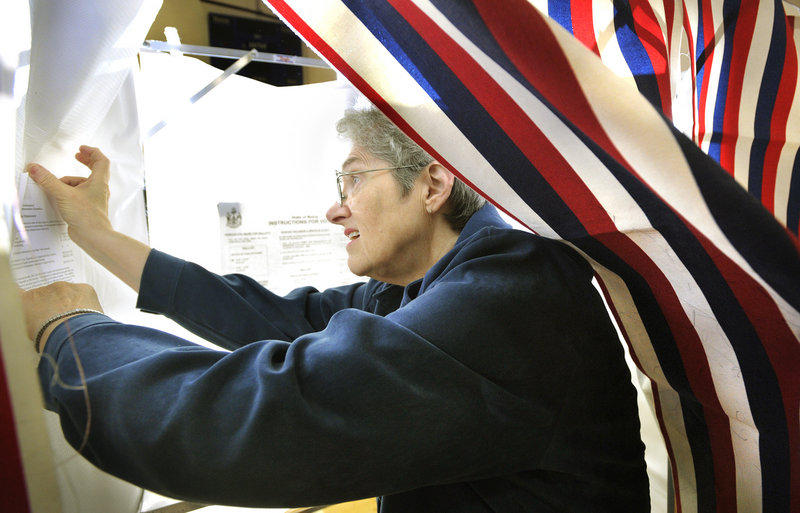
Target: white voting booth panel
column 233, row 179
column 71, row 85
column 240, row 181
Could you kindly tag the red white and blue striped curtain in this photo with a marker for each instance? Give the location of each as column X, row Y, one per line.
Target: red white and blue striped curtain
column 561, row 114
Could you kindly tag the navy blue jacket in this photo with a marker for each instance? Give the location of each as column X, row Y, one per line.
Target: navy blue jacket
column 496, row 383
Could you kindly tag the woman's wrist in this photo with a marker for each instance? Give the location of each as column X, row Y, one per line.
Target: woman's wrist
column 50, row 324
column 91, row 235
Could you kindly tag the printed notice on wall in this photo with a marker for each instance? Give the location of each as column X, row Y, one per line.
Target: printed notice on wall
column 282, row 252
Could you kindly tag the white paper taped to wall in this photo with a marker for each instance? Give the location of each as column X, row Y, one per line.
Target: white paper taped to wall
column 280, row 250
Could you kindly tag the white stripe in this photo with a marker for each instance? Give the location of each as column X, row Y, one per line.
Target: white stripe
column 712, row 71
column 674, row 41
column 606, row 36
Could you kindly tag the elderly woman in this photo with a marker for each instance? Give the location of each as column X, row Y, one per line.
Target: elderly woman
column 476, row 371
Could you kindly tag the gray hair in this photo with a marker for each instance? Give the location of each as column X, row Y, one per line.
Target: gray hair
column 370, row 130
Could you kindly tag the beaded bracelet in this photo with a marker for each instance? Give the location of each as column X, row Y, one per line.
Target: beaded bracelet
column 55, row 318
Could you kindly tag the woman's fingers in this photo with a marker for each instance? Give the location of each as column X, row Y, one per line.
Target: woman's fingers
column 51, row 185
column 82, row 202
column 95, row 160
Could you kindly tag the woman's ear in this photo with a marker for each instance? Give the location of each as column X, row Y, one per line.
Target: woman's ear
column 439, row 182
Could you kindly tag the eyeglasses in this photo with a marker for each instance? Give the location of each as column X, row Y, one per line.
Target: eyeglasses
column 341, row 174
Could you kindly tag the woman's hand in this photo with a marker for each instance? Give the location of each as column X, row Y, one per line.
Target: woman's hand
column 43, row 303
column 82, row 202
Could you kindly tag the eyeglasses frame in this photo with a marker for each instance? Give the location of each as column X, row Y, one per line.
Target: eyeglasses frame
column 340, row 174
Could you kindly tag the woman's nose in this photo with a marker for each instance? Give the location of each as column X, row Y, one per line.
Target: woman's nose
column 337, row 213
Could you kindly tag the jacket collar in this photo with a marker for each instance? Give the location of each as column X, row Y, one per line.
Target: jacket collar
column 487, row 215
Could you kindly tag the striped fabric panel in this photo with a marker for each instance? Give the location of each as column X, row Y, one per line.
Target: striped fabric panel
column 703, row 281
column 742, row 60
column 628, row 37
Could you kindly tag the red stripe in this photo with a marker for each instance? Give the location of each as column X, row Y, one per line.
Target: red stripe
column 15, row 493
column 649, row 32
column 583, row 24
column 742, row 41
column 669, row 18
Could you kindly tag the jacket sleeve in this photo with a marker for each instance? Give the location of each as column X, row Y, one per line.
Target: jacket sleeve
column 233, row 310
column 461, row 383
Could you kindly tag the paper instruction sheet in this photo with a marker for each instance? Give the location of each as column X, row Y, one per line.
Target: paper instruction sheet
column 281, row 250
column 44, row 253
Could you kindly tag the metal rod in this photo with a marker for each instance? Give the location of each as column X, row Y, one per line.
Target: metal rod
column 228, row 53
column 243, row 61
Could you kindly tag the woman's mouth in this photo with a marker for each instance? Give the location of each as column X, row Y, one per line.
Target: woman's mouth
column 351, row 234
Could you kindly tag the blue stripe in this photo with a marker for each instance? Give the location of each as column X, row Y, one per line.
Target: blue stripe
column 730, row 11
column 701, row 54
column 373, row 15
column 635, row 54
column 793, row 207
column 765, row 106
column 561, row 12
